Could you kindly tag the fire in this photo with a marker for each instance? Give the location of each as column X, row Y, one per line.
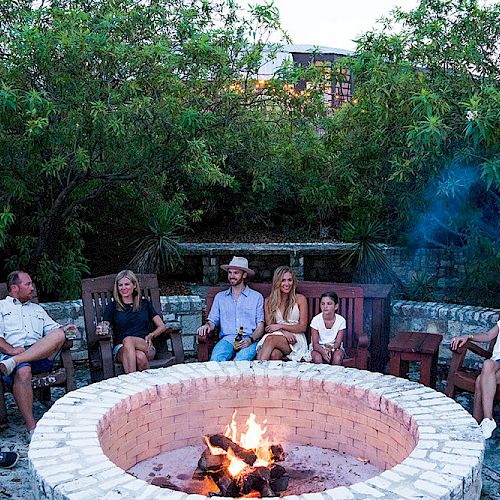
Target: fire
column 235, row 464
column 253, row 439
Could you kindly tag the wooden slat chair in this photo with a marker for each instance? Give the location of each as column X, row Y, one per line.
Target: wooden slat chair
column 96, row 295
column 61, row 376
column 350, row 307
column 463, row 379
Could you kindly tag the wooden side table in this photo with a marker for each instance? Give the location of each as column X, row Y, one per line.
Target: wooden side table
column 413, row 346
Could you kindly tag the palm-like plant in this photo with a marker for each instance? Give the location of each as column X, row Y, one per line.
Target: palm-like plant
column 159, row 250
column 367, row 257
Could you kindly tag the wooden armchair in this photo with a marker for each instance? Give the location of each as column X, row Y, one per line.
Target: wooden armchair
column 461, row 378
column 96, row 294
column 61, row 376
column 350, row 307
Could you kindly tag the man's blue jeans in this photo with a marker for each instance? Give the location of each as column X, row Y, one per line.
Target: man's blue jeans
column 224, row 351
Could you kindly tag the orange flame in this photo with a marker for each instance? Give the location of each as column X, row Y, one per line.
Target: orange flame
column 235, row 464
column 253, row 439
column 214, row 450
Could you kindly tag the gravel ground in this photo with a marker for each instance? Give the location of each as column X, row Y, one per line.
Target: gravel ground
column 14, row 485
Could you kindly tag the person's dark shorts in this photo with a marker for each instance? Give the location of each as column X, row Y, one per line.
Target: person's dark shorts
column 38, row 366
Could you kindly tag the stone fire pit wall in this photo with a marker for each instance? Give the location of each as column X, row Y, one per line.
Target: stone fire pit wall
column 427, row 444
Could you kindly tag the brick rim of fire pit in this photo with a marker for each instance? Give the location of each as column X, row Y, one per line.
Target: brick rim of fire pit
column 66, row 459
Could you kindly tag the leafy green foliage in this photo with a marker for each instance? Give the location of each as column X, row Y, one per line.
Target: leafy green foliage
column 159, row 251
column 98, row 96
column 367, row 258
column 426, row 98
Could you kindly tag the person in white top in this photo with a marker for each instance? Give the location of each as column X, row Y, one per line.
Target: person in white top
column 29, row 341
column 486, row 383
column 327, row 332
column 285, row 312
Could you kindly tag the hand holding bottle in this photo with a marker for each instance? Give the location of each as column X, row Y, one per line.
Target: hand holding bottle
column 238, row 340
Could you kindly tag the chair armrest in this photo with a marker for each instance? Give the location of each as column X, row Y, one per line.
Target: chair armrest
column 106, row 347
column 361, row 358
column 177, row 346
column 68, row 344
column 67, row 362
column 473, row 347
column 206, row 344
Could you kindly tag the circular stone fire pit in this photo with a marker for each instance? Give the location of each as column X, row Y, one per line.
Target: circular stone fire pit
column 428, row 445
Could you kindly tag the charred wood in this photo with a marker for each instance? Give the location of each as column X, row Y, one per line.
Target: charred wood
column 221, row 441
column 277, row 453
column 209, row 462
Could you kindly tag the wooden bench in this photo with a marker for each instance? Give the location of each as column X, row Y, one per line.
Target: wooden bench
column 350, row 307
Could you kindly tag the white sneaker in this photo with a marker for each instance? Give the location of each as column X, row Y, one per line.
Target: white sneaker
column 7, row 366
column 487, row 427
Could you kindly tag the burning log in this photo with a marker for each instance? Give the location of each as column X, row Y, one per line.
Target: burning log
column 277, row 453
column 235, row 473
column 254, row 478
column 209, row 462
column 279, row 479
column 227, row 486
column 221, row 441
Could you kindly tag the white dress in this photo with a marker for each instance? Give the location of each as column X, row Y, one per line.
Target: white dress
column 299, row 349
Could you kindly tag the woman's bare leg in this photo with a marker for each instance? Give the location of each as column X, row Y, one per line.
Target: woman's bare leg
column 127, row 354
column 141, row 361
column 271, row 343
column 276, row 355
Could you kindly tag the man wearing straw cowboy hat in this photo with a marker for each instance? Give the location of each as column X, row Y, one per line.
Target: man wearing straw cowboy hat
column 237, row 307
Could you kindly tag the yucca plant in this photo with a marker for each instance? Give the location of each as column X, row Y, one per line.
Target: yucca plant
column 159, row 250
column 367, row 257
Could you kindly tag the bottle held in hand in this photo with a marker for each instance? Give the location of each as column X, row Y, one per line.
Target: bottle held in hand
column 238, row 339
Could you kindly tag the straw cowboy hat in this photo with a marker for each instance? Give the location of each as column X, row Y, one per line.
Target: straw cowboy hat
column 238, row 263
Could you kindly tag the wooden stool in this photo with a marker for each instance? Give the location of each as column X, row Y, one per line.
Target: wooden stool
column 413, row 346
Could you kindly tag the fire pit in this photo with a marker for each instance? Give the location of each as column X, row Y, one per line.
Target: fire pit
column 427, row 444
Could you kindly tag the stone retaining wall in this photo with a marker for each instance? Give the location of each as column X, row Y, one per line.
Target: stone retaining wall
column 318, row 262
column 447, row 319
column 450, row 320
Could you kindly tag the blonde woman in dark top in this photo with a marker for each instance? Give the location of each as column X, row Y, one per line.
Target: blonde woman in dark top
column 130, row 316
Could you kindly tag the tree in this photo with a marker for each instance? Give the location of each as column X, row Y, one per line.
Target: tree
column 419, row 149
column 425, row 112
column 99, row 99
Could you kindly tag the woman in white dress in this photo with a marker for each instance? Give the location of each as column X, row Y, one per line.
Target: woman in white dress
column 285, row 312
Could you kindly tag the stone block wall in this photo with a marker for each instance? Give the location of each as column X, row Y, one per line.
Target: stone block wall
column 450, row 320
column 448, row 268
column 184, row 311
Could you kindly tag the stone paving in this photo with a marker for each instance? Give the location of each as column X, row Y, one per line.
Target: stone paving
column 15, row 485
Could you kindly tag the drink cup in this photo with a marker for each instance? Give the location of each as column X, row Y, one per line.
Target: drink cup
column 103, row 329
column 71, row 333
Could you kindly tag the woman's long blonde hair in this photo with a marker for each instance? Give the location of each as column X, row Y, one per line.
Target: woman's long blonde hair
column 275, row 295
column 136, row 304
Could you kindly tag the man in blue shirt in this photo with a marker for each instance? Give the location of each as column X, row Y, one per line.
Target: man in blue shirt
column 235, row 308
